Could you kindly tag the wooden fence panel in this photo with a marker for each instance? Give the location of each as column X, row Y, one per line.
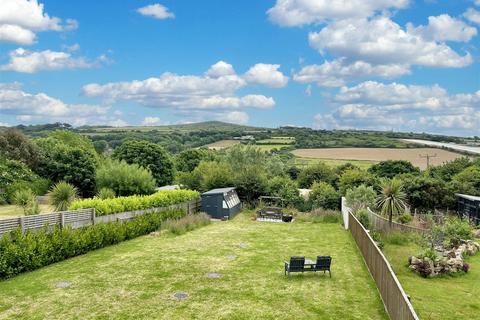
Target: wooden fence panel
column 382, row 224
column 394, row 298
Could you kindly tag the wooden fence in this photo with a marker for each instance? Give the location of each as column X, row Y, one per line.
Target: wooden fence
column 382, row 224
column 83, row 217
column 394, row 298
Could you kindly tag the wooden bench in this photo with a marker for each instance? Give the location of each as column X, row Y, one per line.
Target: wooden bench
column 300, row 264
column 271, row 213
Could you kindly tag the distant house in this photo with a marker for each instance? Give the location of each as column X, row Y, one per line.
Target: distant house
column 469, row 207
column 245, row 138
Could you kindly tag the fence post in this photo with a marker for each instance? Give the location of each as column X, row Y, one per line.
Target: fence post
column 22, row 223
column 62, row 220
column 93, row 216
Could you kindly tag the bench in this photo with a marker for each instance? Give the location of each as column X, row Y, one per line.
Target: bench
column 300, row 264
column 271, row 213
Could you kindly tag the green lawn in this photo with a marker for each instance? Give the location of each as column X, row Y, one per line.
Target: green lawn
column 9, row 211
column 443, row 298
column 137, row 279
column 362, row 164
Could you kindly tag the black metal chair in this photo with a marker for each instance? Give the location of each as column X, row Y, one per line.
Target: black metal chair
column 323, row 264
column 296, row 264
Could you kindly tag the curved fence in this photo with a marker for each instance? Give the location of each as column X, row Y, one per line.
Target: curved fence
column 381, row 224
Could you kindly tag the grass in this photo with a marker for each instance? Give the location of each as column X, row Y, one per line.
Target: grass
column 138, row 278
column 277, row 140
column 222, row 144
column 9, row 211
column 362, row 164
column 447, row 297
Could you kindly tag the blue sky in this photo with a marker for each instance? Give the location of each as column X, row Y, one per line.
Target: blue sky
column 366, row 64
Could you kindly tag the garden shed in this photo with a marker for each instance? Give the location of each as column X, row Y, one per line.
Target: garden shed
column 221, row 203
column 469, row 207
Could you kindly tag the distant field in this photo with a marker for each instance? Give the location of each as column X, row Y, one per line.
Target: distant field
column 380, row 154
column 269, row 147
column 362, row 164
column 222, row 144
column 277, row 140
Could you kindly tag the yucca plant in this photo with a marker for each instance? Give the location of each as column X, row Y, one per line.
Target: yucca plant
column 392, row 198
column 27, row 200
column 62, row 195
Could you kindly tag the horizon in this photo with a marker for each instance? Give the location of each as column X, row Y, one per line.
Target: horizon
column 395, row 65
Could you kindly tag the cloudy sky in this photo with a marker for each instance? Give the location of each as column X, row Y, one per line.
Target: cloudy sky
column 369, row 64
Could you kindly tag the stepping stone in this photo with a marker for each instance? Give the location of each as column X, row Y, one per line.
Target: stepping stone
column 181, row 295
column 63, row 285
column 231, row 257
column 213, row 275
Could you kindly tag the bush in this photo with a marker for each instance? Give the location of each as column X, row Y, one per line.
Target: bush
column 27, row 200
column 12, row 171
column 456, row 229
column 39, row 186
column 321, row 216
column 62, row 195
column 319, row 172
column 35, row 249
column 405, row 218
column 391, row 168
column 125, row 179
column 354, row 178
column 324, row 196
column 122, row 204
column 187, row 223
column 286, row 189
column 377, row 237
column 105, row 193
column 361, row 197
column 364, row 218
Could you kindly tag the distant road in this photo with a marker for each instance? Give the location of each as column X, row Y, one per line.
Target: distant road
column 452, row 146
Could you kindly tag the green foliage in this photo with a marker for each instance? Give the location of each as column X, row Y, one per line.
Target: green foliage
column 324, row 196
column 341, row 169
column 392, row 199
column 391, row 168
column 39, row 186
column 124, row 179
column 150, row 156
column 467, row 181
column 285, row 188
column 27, row 200
column 429, row 253
column 15, row 145
column 320, row 216
column 186, row 223
column 405, row 218
column 100, row 146
column 105, row 193
column 72, row 139
column 12, row 171
column 449, row 169
column 364, row 218
column 354, row 178
column 62, row 195
column 188, row 160
column 361, row 197
column 318, row 172
column 122, row 204
column 377, row 237
column 456, row 229
column 32, row 250
column 425, row 193
column 208, row 175
column 251, row 183
column 400, row 238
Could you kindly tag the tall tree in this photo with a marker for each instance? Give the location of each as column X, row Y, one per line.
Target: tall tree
column 392, row 199
column 16, row 146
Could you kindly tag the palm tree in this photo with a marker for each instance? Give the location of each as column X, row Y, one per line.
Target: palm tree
column 392, row 198
column 62, row 195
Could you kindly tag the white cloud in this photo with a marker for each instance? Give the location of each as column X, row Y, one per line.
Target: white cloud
column 220, row 69
column 266, row 74
column 380, row 40
column 4, row 124
column 238, row 117
column 21, row 19
column 43, row 108
column 472, row 15
column 25, row 61
column 301, row 12
column 374, row 105
column 217, row 89
column 156, row 11
column 335, row 73
column 151, row 121
column 444, row 28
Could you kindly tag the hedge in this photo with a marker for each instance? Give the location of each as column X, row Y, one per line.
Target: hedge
column 132, row 203
column 35, row 249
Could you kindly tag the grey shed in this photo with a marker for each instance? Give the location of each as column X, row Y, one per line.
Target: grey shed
column 221, row 203
column 469, row 207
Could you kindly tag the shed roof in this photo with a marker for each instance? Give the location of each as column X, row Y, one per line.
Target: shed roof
column 466, row 196
column 219, row 191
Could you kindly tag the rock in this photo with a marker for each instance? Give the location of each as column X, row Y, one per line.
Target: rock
column 476, row 233
column 63, row 284
column 214, row 275
column 180, row 295
column 414, row 260
column 450, row 254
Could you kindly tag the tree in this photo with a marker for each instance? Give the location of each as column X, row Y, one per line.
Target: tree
column 12, row 171
column 100, row 146
column 448, row 170
column 208, row 175
column 391, row 168
column 124, row 179
column 467, row 181
column 150, row 156
column 361, row 197
column 188, row 160
column 392, row 199
column 325, row 196
column 16, row 146
column 284, row 188
column 424, row 192
column 319, row 172
column 354, row 178
column 251, row 183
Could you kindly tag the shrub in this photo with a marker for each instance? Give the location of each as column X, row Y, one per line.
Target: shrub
column 391, row 168
column 39, row 186
column 123, row 204
column 361, row 197
column 377, row 237
column 187, row 223
column 125, row 179
column 319, row 172
column 353, row 178
column 364, row 218
column 324, row 196
column 321, row 216
column 15, row 145
column 286, row 189
column 105, row 193
column 35, row 249
column 62, row 195
column 12, row 171
column 405, row 218
column 456, row 229
column 27, row 200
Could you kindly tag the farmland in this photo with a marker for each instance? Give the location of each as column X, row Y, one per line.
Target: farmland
column 139, row 278
column 380, row 154
column 222, row 144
